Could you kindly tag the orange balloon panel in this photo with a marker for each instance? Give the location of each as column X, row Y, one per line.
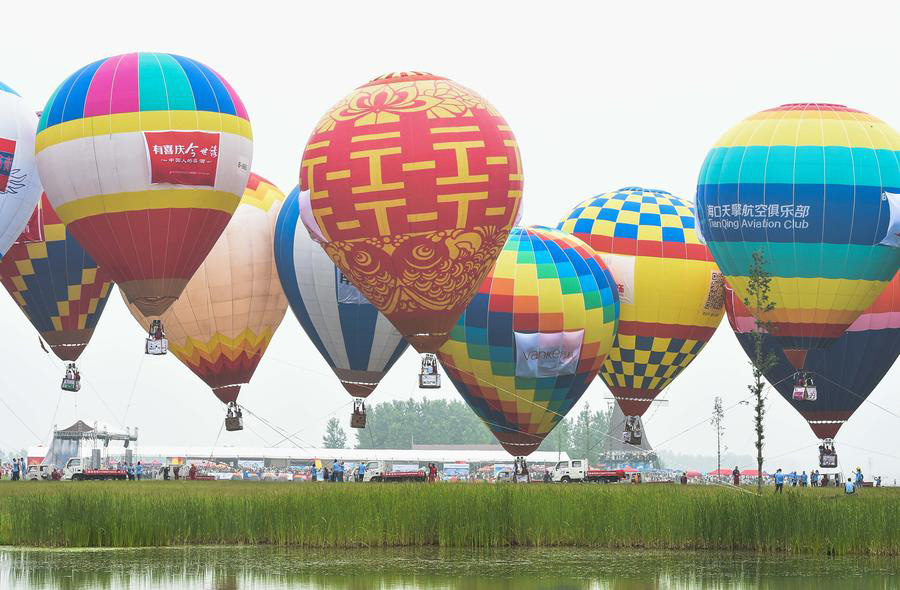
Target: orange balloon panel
column 412, row 183
column 224, row 320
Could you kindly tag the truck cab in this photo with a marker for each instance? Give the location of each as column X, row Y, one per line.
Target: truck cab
column 374, row 471
column 568, row 471
column 73, row 467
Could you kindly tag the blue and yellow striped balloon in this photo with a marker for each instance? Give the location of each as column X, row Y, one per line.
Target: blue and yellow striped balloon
column 810, row 186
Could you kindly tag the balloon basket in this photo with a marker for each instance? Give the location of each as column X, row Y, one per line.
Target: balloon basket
column 358, row 417
column 233, row 423
column 70, row 384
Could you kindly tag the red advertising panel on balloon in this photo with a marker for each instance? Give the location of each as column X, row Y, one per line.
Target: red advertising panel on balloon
column 182, row 157
column 7, row 151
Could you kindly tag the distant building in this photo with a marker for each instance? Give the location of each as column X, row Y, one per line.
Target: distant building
column 82, row 440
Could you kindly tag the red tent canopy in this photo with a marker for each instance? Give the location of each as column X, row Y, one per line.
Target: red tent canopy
column 693, row 473
column 752, row 472
column 629, row 469
column 720, row 472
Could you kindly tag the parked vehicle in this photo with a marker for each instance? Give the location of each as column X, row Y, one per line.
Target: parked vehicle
column 75, row 471
column 379, row 471
column 39, row 472
column 578, row 470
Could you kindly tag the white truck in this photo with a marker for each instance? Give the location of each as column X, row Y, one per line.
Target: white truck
column 378, row 471
column 75, row 471
column 578, row 470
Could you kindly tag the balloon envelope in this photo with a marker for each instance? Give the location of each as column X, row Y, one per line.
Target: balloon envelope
column 412, row 183
column 806, row 185
column 56, row 284
column 355, row 339
column 20, row 188
column 534, row 336
column 145, row 157
column 224, row 320
column 670, row 290
column 845, row 373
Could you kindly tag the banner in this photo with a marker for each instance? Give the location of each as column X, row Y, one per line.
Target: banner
column 182, row 157
column 715, row 296
column 7, row 152
column 347, row 293
column 893, row 233
column 622, row 269
column 548, row 354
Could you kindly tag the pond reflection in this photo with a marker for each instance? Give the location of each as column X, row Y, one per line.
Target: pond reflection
column 265, row 568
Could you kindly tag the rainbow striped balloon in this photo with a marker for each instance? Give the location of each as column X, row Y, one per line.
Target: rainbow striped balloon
column 145, row 157
column 534, row 336
column 810, row 186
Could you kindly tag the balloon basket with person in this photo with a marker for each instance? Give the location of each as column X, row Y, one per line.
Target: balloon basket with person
column 429, row 375
column 156, row 344
column 72, row 379
column 358, row 417
column 234, row 417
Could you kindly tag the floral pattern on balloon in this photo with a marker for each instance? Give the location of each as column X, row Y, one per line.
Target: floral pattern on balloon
column 427, row 271
column 385, row 103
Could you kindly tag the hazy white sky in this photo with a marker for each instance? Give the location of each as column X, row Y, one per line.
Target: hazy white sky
column 600, row 96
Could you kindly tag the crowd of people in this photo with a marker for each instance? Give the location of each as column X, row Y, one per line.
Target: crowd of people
column 16, row 469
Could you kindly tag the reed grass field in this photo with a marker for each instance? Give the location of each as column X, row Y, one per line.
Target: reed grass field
column 155, row 513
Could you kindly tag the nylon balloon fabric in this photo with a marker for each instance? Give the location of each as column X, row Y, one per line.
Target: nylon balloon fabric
column 55, row 283
column 411, row 183
column 670, row 290
column 355, row 339
column 223, row 322
column 145, row 157
column 534, row 336
column 807, row 185
column 846, row 373
column 20, row 188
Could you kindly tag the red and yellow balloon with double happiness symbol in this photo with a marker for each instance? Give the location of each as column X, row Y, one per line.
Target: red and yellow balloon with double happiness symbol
column 411, row 184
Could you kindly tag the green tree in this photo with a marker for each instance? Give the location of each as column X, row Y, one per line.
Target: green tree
column 760, row 304
column 560, row 438
column 717, row 421
column 335, row 437
column 588, row 432
column 400, row 424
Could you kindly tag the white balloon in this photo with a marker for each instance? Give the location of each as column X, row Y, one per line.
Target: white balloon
column 20, row 187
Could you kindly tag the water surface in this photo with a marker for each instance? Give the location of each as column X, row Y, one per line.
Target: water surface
column 268, row 568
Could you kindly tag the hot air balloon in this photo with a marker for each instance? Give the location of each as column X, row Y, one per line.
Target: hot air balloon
column 411, row 183
column 534, row 336
column 355, row 339
column 57, row 286
column 845, row 373
column 223, row 322
column 145, row 157
column 813, row 188
column 20, row 188
column 670, row 290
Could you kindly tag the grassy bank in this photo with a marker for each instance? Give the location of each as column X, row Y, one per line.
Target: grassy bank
column 128, row 514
